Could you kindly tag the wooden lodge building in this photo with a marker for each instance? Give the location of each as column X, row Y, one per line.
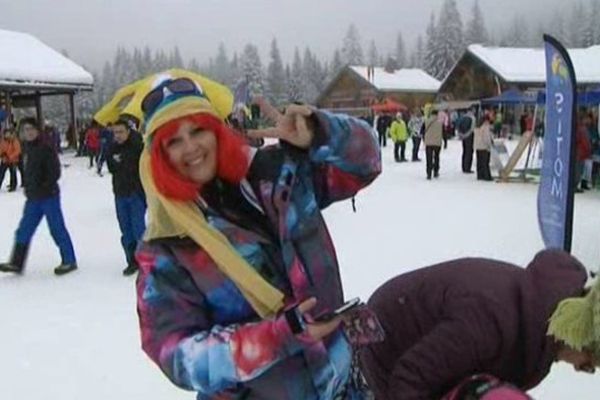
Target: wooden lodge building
column 356, row 88
column 484, row 72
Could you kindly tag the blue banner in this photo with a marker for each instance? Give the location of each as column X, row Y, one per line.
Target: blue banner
column 555, row 196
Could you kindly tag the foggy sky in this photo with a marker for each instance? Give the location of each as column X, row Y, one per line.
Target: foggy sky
column 90, row 30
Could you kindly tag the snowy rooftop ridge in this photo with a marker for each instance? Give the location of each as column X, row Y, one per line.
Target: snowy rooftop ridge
column 528, row 65
column 28, row 60
column 407, row 79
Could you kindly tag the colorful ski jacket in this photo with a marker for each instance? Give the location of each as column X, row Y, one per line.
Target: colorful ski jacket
column 195, row 323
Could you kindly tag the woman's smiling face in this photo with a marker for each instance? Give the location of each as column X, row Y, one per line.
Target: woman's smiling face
column 193, row 152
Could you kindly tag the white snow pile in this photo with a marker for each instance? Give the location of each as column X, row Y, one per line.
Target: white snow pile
column 528, row 65
column 76, row 337
column 402, row 80
column 27, row 59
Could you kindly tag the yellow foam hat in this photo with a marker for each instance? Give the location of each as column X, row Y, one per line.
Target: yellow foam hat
column 128, row 100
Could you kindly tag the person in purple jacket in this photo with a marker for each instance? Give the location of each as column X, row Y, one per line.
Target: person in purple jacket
column 447, row 322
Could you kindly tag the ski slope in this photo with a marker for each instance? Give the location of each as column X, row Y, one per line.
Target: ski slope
column 76, row 337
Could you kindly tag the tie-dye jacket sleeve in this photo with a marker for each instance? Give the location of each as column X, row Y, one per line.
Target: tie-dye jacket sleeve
column 194, row 353
column 345, row 157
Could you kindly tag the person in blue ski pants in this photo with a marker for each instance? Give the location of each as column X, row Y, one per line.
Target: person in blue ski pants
column 42, row 171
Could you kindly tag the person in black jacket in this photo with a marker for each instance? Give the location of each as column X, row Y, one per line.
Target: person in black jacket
column 42, row 171
column 123, row 163
column 383, row 124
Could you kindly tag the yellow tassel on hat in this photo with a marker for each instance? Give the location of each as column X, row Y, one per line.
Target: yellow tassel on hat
column 576, row 321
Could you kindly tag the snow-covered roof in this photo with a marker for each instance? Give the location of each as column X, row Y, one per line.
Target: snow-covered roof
column 528, row 65
column 403, row 80
column 27, row 62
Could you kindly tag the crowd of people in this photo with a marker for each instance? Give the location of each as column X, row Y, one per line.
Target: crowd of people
column 36, row 156
column 238, row 288
column 477, row 129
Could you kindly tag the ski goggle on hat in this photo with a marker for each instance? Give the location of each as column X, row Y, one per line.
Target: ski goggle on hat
column 172, row 99
column 175, row 87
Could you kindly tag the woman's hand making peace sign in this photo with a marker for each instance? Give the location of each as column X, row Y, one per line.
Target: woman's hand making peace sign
column 291, row 127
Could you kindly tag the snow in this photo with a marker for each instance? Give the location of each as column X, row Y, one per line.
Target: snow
column 404, row 80
column 528, row 65
column 27, row 60
column 76, row 337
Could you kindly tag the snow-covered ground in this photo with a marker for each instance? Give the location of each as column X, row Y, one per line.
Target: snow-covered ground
column 76, row 337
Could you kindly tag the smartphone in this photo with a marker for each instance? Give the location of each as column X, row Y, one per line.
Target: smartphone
column 347, row 306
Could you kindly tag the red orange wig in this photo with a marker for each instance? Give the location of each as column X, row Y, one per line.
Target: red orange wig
column 232, row 158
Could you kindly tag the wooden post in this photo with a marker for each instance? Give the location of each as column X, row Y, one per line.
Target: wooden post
column 72, row 140
column 38, row 110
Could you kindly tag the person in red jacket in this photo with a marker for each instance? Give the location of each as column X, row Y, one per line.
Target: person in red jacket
column 10, row 153
column 92, row 143
column 448, row 322
column 583, row 151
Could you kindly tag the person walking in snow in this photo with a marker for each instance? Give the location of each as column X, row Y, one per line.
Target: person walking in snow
column 383, row 123
column 42, row 171
column 123, row 163
column 106, row 140
column 433, row 144
column 449, row 321
column 583, row 151
column 399, row 135
column 415, row 127
column 591, row 128
column 483, row 147
column 92, row 143
column 465, row 128
column 10, row 153
column 237, row 261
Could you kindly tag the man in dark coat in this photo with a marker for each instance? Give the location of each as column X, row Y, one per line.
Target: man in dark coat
column 106, row 140
column 449, row 321
column 123, row 163
column 465, row 129
column 42, row 171
column 384, row 121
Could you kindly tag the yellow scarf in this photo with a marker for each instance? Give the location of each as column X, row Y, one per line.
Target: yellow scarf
column 168, row 218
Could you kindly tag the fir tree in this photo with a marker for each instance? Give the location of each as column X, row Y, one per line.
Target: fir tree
column 276, row 82
column 557, row 29
column 419, row 53
column 252, row 69
column 430, row 62
column 591, row 31
column 449, row 43
column 476, row 32
column 373, row 57
column 160, row 62
column 234, row 70
column 147, row 65
column 517, row 34
column 194, row 66
column 593, row 20
column 175, row 60
column 336, row 64
column 577, row 26
column 400, row 51
column 295, row 89
column 352, row 50
column 221, row 70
